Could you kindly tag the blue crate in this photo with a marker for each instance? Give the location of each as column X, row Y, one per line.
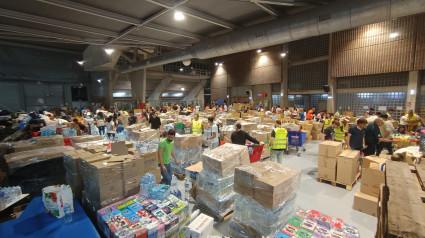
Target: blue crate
column 296, row 138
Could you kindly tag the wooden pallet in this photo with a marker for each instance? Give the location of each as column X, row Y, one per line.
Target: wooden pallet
column 348, row 187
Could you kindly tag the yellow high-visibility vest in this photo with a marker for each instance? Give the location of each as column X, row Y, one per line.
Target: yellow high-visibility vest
column 339, row 133
column 414, row 117
column 197, row 127
column 280, row 138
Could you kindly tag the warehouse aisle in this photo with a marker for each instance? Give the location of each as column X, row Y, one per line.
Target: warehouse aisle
column 325, row 198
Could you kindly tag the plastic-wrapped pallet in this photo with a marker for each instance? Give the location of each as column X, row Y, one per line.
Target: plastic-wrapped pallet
column 84, row 138
column 226, row 133
column 188, row 149
column 71, row 162
column 145, row 134
column 215, row 195
column 265, row 199
column 291, row 126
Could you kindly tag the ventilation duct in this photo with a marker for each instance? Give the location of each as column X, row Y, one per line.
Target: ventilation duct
column 336, row 16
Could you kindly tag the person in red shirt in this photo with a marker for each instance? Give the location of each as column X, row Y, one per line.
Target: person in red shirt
column 310, row 114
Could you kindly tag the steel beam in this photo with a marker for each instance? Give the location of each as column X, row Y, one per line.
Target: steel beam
column 197, row 14
column 114, row 16
column 270, row 10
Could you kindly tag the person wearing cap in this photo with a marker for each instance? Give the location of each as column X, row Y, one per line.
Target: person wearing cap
column 278, row 142
column 196, row 124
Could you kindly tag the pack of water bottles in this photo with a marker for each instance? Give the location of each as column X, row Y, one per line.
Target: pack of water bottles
column 188, row 149
column 8, row 194
column 68, row 132
column 264, row 220
column 159, row 191
column 214, row 184
column 146, row 146
column 146, row 183
column 48, row 131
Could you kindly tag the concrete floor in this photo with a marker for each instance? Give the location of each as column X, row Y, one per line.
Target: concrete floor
column 333, row 201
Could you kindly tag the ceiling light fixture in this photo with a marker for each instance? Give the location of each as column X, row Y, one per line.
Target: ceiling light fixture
column 99, row 80
column 80, row 62
column 259, row 51
column 109, row 51
column 216, row 63
column 181, row 69
column 179, row 16
column 220, row 64
column 393, row 35
column 283, row 54
column 182, row 89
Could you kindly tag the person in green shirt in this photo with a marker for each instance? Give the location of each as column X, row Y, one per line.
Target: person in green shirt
column 165, row 150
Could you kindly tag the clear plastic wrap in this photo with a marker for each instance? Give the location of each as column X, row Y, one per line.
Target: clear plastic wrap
column 84, row 145
column 248, row 126
column 268, row 183
column 134, row 127
column 223, row 160
column 265, row 127
column 217, row 207
column 84, row 138
column 261, row 136
column 188, row 149
column 215, row 185
column 291, row 126
column 265, row 221
column 239, row 230
column 142, row 217
column 21, row 159
column 226, row 133
column 145, row 134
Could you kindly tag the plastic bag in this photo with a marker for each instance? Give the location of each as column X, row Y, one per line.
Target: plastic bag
column 55, row 197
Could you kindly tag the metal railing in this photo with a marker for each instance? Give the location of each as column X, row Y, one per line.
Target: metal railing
column 186, row 71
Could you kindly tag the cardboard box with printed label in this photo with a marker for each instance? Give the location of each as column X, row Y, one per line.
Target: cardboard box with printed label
column 373, row 175
column 348, row 166
column 365, row 203
column 268, row 183
column 330, row 148
column 224, row 159
column 201, row 227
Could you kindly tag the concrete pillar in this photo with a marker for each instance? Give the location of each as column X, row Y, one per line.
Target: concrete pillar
column 331, row 107
column 413, row 91
column 154, row 98
column 138, row 85
column 284, row 82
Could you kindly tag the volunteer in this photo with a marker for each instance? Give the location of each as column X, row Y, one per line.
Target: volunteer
column 403, row 121
column 339, row 132
column 165, row 151
column 278, row 143
column 329, row 132
column 100, row 123
column 373, row 136
column 110, row 127
column 387, row 131
column 239, row 136
column 355, row 139
column 390, row 113
column 213, row 135
column 132, row 119
column 412, row 121
column 310, row 114
column 155, row 121
column 196, row 124
column 327, row 121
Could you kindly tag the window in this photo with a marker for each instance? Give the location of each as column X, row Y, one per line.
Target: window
column 276, row 100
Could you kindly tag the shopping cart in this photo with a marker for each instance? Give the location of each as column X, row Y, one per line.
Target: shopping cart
column 255, row 151
column 296, row 139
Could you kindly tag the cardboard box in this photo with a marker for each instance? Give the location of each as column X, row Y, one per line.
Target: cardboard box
column 236, row 114
column 365, row 203
column 187, row 141
column 327, row 173
column 248, row 127
column 330, row 148
column 348, row 113
column 307, row 133
column 266, row 151
column 327, row 162
column 268, row 183
column 201, row 227
column 49, row 141
column 348, row 166
column 372, row 176
column 261, row 136
column 307, row 126
column 224, row 159
column 84, row 138
column 317, row 126
column 316, row 135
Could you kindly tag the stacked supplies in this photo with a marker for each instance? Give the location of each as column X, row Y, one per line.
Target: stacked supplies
column 139, row 216
column 188, row 149
column 265, row 200
column 215, row 195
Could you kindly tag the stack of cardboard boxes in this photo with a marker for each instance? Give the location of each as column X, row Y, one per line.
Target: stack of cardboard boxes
column 188, row 149
column 262, row 136
column 373, row 175
column 215, row 195
column 328, row 157
column 316, row 131
column 265, row 199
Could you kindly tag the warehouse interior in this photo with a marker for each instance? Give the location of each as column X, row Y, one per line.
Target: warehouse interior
column 152, row 67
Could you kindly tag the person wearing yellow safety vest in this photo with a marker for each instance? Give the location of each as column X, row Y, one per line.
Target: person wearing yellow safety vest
column 328, row 120
column 329, row 132
column 196, row 124
column 412, row 121
column 278, row 143
column 339, row 132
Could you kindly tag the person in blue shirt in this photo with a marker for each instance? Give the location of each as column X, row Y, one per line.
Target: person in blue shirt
column 355, row 138
column 373, row 136
column 302, row 115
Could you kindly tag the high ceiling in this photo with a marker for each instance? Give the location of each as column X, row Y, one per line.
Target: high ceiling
column 143, row 24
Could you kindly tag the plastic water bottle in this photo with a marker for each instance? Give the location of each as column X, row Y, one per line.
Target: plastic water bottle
column 68, row 213
column 187, row 187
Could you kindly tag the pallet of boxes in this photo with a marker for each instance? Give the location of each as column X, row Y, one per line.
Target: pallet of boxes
column 265, row 199
column 214, row 193
column 401, row 208
column 336, row 166
column 188, row 149
column 373, row 175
